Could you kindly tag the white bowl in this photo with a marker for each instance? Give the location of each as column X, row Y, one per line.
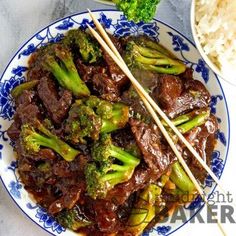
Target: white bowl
column 201, row 51
column 116, row 24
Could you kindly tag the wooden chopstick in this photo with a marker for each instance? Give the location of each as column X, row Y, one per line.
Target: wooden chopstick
column 152, row 102
column 148, row 106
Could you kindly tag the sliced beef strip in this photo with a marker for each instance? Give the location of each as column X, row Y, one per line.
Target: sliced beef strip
column 117, row 75
column 203, row 140
column 68, row 200
column 149, row 139
column 105, row 216
column 137, row 107
column 103, row 213
column 97, row 78
column 176, row 101
column 88, row 71
column 105, row 87
column 194, row 96
column 124, row 138
column 56, row 106
column 14, row 130
column 149, row 81
column 170, row 89
column 27, row 114
column 26, row 98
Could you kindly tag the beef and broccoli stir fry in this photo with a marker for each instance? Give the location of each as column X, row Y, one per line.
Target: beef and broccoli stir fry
column 87, row 149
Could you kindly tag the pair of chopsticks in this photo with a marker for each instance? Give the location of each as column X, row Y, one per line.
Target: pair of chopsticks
column 152, row 107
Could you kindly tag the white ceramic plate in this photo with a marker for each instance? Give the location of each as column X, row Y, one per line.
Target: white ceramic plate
column 117, row 24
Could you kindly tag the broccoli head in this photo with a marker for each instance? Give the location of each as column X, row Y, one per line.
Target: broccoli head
column 71, row 219
column 138, row 10
column 87, row 46
column 59, row 61
column 149, row 58
column 34, row 136
column 90, row 117
column 112, row 165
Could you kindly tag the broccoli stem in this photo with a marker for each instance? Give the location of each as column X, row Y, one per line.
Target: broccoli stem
column 156, row 61
column 179, row 120
column 59, row 61
column 146, row 42
column 152, row 60
column 17, row 91
column 32, row 141
column 196, row 121
column 69, row 78
column 144, row 210
column 123, row 156
column 175, row 70
column 187, row 117
column 181, row 179
column 53, row 142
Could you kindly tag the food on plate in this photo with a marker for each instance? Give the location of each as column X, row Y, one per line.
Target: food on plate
column 88, row 150
column 135, row 10
column 214, row 21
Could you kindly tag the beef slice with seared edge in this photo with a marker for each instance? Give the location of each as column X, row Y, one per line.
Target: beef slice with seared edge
column 178, row 95
column 157, row 155
column 57, row 106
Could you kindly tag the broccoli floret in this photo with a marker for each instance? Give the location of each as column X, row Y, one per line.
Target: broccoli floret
column 88, row 47
column 90, row 117
column 151, row 59
column 35, row 136
column 112, row 165
column 71, row 219
column 138, row 10
column 58, row 60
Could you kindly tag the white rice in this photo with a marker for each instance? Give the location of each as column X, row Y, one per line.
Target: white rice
column 216, row 30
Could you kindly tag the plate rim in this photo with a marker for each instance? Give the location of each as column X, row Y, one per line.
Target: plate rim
column 156, row 20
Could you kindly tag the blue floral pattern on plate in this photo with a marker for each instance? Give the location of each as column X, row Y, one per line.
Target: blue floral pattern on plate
column 202, row 68
column 117, row 24
column 48, row 221
column 15, row 186
column 178, row 42
column 125, row 28
column 7, row 107
column 65, row 25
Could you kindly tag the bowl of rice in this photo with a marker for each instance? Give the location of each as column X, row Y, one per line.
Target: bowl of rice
column 213, row 24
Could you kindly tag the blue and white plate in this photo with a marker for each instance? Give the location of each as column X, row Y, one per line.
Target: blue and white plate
column 117, row 24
